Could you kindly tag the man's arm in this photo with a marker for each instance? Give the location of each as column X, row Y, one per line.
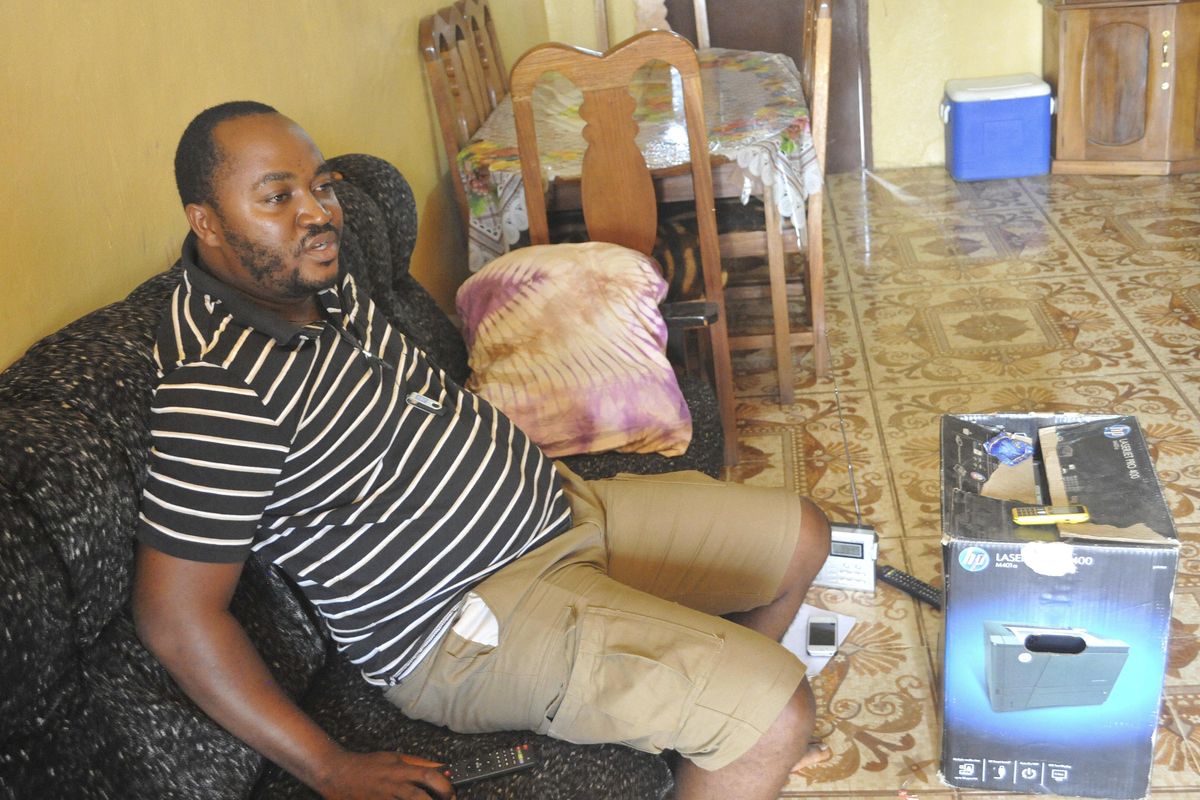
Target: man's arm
column 181, row 609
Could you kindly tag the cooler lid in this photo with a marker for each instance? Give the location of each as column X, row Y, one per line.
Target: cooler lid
column 1000, row 87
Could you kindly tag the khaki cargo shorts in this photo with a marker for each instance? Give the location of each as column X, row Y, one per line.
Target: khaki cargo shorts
column 609, row 632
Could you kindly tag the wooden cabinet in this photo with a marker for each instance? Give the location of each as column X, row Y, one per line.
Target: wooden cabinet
column 1126, row 74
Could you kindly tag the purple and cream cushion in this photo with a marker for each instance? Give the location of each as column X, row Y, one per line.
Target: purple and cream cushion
column 568, row 341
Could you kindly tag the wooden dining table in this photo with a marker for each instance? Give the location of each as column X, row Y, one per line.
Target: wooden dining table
column 759, row 134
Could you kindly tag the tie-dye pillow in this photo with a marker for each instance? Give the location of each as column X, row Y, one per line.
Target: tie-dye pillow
column 568, row 341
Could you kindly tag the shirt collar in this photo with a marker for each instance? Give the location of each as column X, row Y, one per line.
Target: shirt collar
column 243, row 309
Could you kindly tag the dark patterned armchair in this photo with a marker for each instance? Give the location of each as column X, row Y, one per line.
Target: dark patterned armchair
column 85, row 711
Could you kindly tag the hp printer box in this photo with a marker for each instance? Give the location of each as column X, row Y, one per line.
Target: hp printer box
column 1056, row 634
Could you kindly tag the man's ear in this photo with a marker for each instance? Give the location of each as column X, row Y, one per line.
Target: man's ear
column 205, row 223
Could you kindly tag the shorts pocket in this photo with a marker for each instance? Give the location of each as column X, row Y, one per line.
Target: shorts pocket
column 473, row 636
column 634, row 680
column 475, row 621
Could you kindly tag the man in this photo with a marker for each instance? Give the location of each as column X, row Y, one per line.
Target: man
column 482, row 586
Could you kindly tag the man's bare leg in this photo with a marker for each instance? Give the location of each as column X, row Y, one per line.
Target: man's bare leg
column 761, row 772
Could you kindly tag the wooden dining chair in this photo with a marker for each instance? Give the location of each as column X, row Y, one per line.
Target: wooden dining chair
column 466, row 75
column 616, row 187
column 759, row 231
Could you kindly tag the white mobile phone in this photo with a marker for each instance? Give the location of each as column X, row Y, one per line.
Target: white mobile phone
column 822, row 635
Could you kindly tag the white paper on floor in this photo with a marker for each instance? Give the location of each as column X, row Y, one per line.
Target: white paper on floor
column 795, row 637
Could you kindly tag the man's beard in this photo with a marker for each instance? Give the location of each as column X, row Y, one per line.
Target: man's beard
column 268, row 266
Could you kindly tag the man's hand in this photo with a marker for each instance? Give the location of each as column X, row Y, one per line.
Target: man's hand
column 384, row 776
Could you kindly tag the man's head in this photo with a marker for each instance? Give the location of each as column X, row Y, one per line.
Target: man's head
column 259, row 197
column 197, row 156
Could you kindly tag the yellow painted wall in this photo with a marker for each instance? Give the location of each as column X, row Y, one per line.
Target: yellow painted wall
column 572, row 22
column 917, row 45
column 95, row 94
column 521, row 24
column 620, row 19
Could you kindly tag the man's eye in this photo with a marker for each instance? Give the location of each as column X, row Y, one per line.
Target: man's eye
column 324, row 188
column 277, row 198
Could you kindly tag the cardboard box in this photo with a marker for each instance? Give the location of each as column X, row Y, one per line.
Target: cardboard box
column 1056, row 636
column 997, row 127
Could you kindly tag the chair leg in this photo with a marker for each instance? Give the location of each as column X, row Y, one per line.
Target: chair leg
column 816, row 284
column 780, row 325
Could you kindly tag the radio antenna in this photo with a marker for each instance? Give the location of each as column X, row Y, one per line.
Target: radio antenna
column 837, row 399
column 853, row 548
column 888, row 574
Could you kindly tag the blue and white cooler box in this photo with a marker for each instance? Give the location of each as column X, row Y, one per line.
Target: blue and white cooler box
column 997, row 127
column 1056, row 636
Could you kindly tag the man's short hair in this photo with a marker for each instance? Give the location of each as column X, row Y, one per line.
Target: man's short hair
column 198, row 156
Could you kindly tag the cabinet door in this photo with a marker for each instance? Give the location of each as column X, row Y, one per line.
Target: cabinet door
column 1113, row 103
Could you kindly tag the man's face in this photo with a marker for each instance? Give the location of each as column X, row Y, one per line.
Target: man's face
column 277, row 219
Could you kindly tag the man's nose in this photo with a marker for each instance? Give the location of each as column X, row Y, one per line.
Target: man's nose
column 316, row 211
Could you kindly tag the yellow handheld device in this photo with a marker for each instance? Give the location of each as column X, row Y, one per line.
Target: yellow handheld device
column 1049, row 515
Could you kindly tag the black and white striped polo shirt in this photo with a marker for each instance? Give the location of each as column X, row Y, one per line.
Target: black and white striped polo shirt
column 301, row 444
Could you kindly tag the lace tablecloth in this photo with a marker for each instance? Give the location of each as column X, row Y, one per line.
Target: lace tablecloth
column 753, row 106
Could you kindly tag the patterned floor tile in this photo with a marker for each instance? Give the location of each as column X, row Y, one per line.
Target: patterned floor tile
column 996, row 331
column 923, row 559
column 1054, row 191
column 836, row 279
column 941, row 250
column 1183, row 657
column 1177, row 744
column 918, row 192
column 800, row 446
column 878, row 715
column 1133, row 234
column 1188, row 382
column 1163, row 305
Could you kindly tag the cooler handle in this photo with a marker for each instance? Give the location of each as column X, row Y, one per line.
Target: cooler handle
column 944, row 111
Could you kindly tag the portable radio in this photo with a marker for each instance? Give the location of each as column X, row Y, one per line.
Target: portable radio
column 853, row 550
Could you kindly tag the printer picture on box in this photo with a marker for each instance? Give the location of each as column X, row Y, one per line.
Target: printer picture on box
column 1030, row 666
column 1056, row 634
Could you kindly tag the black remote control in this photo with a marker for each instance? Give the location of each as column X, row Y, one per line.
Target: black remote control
column 498, row 762
column 907, row 583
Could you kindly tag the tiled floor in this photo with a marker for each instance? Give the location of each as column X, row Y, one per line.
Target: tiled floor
column 1040, row 294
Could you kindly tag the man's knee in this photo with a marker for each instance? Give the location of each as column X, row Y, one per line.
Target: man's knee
column 794, row 726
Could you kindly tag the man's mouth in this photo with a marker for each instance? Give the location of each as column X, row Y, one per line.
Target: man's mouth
column 323, row 244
